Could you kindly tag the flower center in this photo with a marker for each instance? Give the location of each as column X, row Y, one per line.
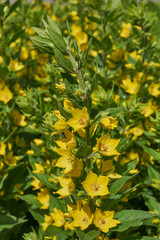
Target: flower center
column 95, row 187
column 103, row 148
column 84, row 220
column 82, row 121
column 102, row 221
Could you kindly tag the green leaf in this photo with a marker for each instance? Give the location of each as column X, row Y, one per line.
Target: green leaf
column 84, row 150
column 42, row 41
column 64, row 113
column 152, row 152
column 53, row 25
column 37, row 214
column 16, row 36
column 30, row 236
column 36, row 149
column 130, row 218
column 114, row 111
column 12, row 8
column 62, row 61
column 58, row 203
column 58, row 232
column 70, row 91
column 123, row 143
column 94, row 83
column 9, row 221
column 152, row 203
column 154, row 172
column 80, row 234
column 41, row 32
column 91, row 235
column 119, row 183
column 2, row 179
column 44, row 179
column 140, row 238
column 58, row 41
column 86, row 53
column 30, row 199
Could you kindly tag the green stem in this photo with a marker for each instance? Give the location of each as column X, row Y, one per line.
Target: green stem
column 10, row 135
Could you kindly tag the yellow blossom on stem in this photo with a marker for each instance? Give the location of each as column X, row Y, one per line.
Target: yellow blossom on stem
column 83, row 217
column 148, row 109
column 104, row 220
column 61, row 124
column 36, row 184
column 96, row 186
column 67, row 160
column 109, row 122
column 10, row 159
column 47, row 222
column 58, row 217
column 67, row 187
column 43, row 198
column 129, row 86
column 18, row 118
column 154, row 89
column 2, row 148
column 137, row 131
column 69, row 142
column 39, row 168
column 5, row 95
column 106, row 146
column 78, row 167
column 80, row 119
column 126, row 30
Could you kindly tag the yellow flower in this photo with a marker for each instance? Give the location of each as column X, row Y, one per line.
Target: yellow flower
column 69, row 142
column 67, row 160
column 1, row 164
column 80, row 119
column 5, row 95
column 78, row 167
column 38, row 141
column 106, row 146
column 18, row 118
column 36, row 184
column 67, row 104
column 148, row 109
column 67, row 187
column 109, row 122
column 102, row 237
column 96, row 186
column 24, row 53
column 47, row 222
column 83, row 217
column 58, row 217
column 61, row 124
column 104, row 220
column 2, row 148
column 129, row 86
column 126, row 30
column 43, row 198
column 39, row 168
column 154, row 89
column 10, row 159
column 15, row 65
column 137, row 131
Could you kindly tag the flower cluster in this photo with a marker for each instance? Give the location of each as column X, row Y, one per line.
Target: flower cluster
column 80, row 122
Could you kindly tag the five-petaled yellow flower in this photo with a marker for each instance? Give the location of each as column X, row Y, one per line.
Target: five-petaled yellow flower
column 80, row 119
column 82, row 218
column 96, row 186
column 106, row 146
column 104, row 220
